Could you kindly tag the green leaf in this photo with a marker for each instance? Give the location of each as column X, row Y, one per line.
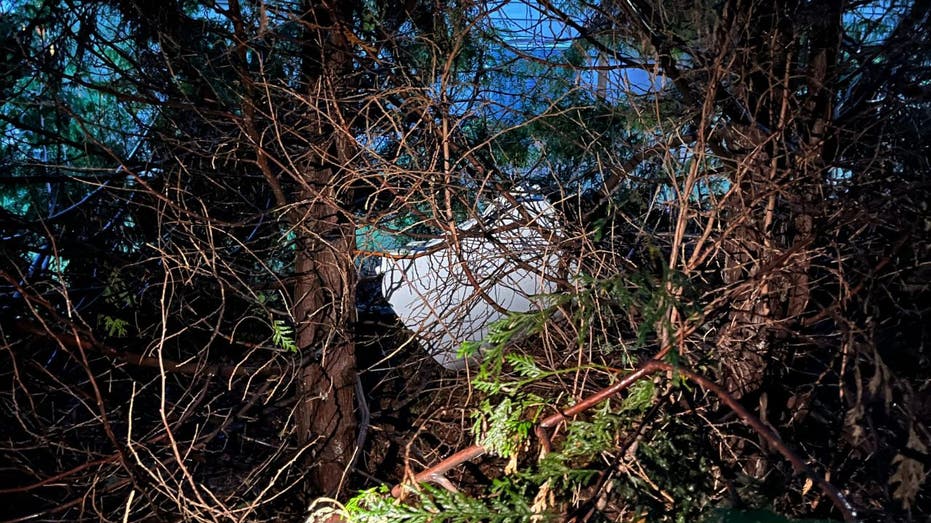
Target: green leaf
column 639, row 396
column 282, row 336
column 115, row 327
column 524, row 365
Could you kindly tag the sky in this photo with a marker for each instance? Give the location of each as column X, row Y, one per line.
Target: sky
column 526, row 26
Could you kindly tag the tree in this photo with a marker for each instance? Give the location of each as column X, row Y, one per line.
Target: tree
column 229, row 230
column 752, row 152
column 741, row 190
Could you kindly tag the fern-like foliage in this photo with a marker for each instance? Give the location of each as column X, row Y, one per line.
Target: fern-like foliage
column 509, row 382
column 283, row 336
column 501, row 427
column 431, row 504
column 115, row 327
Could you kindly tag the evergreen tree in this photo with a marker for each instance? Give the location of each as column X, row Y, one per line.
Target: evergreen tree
column 740, row 315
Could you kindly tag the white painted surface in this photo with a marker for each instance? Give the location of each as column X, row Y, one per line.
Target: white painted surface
column 511, row 261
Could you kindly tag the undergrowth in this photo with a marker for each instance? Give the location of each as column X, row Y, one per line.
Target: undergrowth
column 595, row 465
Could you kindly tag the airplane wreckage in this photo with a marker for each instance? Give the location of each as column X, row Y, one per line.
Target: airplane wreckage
column 448, row 290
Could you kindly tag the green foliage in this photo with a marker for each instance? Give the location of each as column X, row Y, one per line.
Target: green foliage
column 283, row 335
column 118, row 291
column 501, row 334
column 640, row 397
column 430, row 504
column 115, row 327
column 671, row 482
column 630, row 304
column 674, row 478
column 574, row 463
column 503, row 420
column 500, row 426
column 525, row 366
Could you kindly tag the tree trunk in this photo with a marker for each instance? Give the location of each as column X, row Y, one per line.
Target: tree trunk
column 324, row 309
column 780, row 157
column 324, row 295
column 745, row 340
column 768, row 256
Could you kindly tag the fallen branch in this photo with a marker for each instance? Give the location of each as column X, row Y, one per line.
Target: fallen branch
column 436, row 473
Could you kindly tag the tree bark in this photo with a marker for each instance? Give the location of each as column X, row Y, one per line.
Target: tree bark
column 768, row 256
column 324, row 294
column 324, row 309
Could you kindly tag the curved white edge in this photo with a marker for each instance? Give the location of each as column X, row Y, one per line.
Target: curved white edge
column 452, row 294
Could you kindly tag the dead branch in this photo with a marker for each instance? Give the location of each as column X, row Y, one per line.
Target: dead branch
column 436, row 473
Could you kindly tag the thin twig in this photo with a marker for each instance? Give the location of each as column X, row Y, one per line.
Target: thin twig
column 436, row 473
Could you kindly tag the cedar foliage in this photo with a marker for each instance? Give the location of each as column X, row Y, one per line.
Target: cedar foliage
column 742, row 188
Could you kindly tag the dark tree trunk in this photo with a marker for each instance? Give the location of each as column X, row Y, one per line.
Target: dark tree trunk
column 324, row 307
column 768, row 257
column 324, row 296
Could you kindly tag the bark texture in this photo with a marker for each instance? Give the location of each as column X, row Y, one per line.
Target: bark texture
column 780, row 154
column 324, row 296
